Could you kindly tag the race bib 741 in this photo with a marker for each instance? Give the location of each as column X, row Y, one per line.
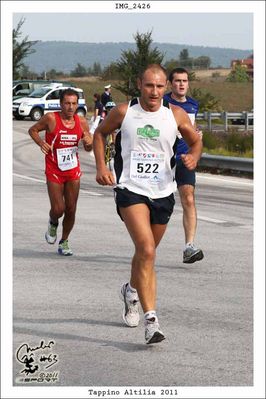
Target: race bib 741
column 67, row 158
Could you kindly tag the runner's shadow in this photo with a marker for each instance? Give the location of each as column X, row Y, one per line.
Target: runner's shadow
column 56, row 321
column 123, row 346
column 53, row 255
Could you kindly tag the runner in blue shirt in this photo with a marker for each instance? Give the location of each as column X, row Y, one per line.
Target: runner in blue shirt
column 185, row 178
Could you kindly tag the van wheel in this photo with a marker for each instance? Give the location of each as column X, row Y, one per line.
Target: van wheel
column 81, row 112
column 36, row 114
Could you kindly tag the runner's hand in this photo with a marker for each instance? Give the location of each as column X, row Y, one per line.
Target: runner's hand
column 105, row 177
column 189, row 161
column 45, row 147
column 87, row 142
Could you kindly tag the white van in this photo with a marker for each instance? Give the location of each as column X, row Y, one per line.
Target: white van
column 42, row 100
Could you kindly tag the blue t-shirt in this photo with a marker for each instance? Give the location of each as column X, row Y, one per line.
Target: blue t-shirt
column 191, row 106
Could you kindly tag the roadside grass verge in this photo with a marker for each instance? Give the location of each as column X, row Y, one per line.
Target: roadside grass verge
column 234, row 144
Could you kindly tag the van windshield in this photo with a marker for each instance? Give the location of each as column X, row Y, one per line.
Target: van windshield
column 38, row 93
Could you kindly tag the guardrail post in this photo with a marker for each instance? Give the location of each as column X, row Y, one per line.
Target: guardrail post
column 209, row 121
column 246, row 119
column 225, row 121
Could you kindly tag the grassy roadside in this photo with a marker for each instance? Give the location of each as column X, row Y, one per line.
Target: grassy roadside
column 233, row 97
column 231, row 143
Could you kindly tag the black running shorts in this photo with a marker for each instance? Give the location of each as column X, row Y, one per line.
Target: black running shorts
column 161, row 209
column 183, row 175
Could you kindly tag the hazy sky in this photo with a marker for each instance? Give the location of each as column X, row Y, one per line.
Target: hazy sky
column 230, row 30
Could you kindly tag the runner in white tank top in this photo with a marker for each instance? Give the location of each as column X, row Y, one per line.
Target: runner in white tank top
column 145, row 160
column 144, row 183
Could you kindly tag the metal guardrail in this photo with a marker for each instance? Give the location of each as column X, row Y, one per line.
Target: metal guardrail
column 225, row 117
column 228, row 163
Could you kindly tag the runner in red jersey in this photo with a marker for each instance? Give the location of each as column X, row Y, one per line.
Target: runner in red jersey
column 64, row 130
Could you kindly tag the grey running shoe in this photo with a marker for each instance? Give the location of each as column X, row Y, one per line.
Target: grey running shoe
column 50, row 234
column 192, row 254
column 153, row 334
column 131, row 309
column 63, row 248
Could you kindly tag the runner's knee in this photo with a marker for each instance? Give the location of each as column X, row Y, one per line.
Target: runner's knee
column 58, row 210
column 146, row 252
column 188, row 200
column 70, row 209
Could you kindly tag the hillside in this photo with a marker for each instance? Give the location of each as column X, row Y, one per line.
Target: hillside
column 64, row 56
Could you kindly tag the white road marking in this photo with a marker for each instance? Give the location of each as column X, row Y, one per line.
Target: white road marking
column 211, row 220
column 29, row 178
column 44, row 181
column 90, row 192
column 225, row 180
column 203, row 218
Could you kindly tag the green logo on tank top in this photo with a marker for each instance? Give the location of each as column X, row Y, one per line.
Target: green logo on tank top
column 148, row 131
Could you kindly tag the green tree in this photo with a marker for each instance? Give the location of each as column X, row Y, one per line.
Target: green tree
column 185, row 61
column 184, row 55
column 191, row 76
column 79, row 71
column 207, row 102
column 54, row 74
column 238, row 74
column 97, row 69
column 132, row 63
column 26, row 73
column 21, row 49
column 110, row 72
column 202, row 62
column 171, row 64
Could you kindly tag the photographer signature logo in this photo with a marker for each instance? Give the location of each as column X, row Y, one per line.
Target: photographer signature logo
column 37, row 362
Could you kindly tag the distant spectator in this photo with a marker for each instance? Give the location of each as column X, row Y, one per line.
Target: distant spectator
column 106, row 96
column 98, row 112
column 98, row 106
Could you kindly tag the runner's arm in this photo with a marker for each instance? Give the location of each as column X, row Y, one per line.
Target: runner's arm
column 87, row 136
column 47, row 123
column 191, row 137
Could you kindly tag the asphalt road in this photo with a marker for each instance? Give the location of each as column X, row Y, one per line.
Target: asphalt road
column 72, row 305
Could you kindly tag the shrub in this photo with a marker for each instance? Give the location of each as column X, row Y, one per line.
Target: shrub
column 216, row 74
column 239, row 74
column 210, row 140
column 239, row 142
column 207, row 102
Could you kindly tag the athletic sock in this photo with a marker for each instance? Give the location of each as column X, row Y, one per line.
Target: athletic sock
column 151, row 316
column 188, row 244
column 131, row 289
column 131, row 293
column 53, row 223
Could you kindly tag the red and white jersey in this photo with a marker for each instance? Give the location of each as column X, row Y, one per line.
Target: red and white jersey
column 63, row 156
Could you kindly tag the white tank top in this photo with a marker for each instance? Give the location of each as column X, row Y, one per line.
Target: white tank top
column 145, row 151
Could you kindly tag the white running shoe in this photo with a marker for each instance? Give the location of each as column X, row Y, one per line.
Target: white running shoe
column 192, row 254
column 63, row 248
column 50, row 234
column 131, row 309
column 153, row 334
